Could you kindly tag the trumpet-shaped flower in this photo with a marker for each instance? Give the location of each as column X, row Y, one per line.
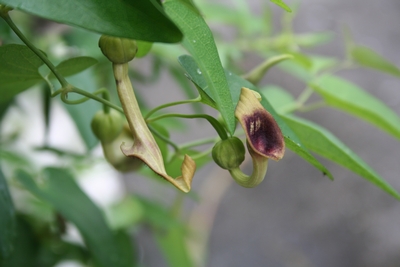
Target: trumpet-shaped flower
column 264, row 137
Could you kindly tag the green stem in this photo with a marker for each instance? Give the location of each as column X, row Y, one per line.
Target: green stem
column 45, row 60
column 70, row 89
column 151, row 112
column 214, row 122
column 162, row 137
column 304, row 96
column 199, row 142
column 312, row 106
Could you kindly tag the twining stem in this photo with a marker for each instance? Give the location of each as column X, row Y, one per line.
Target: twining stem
column 151, row 112
column 70, row 89
column 45, row 60
column 214, row 122
column 199, row 142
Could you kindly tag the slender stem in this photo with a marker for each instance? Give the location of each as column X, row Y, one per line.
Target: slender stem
column 199, row 142
column 45, row 60
column 214, row 122
column 162, row 137
column 64, row 93
column 312, row 106
column 151, row 112
column 304, row 96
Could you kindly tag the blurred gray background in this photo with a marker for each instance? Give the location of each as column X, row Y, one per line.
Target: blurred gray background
column 297, row 217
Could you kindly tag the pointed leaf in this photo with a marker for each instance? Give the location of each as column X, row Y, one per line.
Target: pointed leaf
column 18, row 70
column 7, row 219
column 199, row 41
column 74, row 65
column 59, row 188
column 324, row 143
column 139, row 19
column 282, row 5
column 368, row 58
column 352, row 99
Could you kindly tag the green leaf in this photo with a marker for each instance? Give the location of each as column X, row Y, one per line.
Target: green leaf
column 313, row 39
column 59, row 188
column 324, row 143
column 7, row 219
column 278, row 97
column 235, row 83
column 281, row 4
column 26, row 247
column 143, row 48
column 74, row 65
column 18, row 70
column 368, row 58
column 139, row 19
column 173, row 245
column 199, row 41
column 352, row 99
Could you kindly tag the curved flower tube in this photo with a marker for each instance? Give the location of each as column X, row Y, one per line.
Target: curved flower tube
column 264, row 138
column 144, row 146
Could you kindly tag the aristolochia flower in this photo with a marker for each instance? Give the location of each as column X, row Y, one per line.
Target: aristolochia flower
column 264, row 137
column 120, row 51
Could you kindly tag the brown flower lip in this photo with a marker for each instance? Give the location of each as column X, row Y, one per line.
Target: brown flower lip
column 263, row 133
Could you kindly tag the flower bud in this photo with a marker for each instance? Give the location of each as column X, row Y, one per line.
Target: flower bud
column 107, row 126
column 229, row 153
column 118, row 50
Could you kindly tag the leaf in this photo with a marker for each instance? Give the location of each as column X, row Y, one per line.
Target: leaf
column 173, row 245
column 7, row 220
column 281, row 4
column 235, row 83
column 143, row 48
column 352, row 99
column 199, row 41
column 324, row 143
column 278, row 97
column 59, row 188
column 368, row 58
column 74, row 65
column 18, row 70
column 140, row 19
column 26, row 247
column 313, row 39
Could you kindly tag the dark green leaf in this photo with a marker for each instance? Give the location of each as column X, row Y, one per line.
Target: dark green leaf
column 74, row 65
column 59, row 188
column 7, row 219
column 324, row 143
column 281, row 4
column 25, row 249
column 139, row 19
column 199, row 42
column 18, row 70
column 368, row 58
column 352, row 99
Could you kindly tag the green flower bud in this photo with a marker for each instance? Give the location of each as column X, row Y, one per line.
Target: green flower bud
column 229, row 153
column 118, row 50
column 107, row 126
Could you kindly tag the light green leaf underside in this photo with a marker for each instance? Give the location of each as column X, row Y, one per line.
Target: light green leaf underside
column 199, row 41
column 74, row 65
column 368, row 58
column 352, row 99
